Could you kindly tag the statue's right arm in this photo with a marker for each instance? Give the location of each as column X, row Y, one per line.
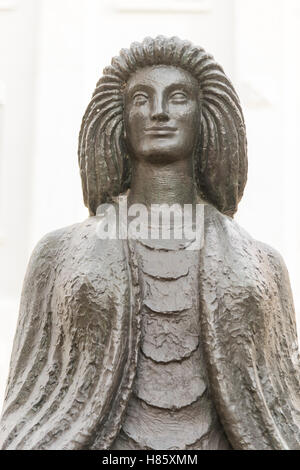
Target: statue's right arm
column 36, row 293
column 35, row 328
column 72, row 352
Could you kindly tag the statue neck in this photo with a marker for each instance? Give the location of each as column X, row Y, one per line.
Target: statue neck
column 162, row 184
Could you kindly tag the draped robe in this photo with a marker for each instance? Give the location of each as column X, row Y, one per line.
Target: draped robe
column 76, row 346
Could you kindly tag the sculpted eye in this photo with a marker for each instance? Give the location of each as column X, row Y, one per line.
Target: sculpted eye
column 140, row 98
column 178, row 97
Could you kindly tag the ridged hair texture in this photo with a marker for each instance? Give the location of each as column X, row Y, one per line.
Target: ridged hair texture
column 220, row 162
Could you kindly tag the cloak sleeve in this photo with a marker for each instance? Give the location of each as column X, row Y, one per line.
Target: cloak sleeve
column 250, row 338
column 74, row 353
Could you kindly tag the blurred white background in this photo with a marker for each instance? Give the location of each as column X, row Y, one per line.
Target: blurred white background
column 52, row 53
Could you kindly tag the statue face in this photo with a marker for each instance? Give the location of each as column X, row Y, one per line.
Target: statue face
column 161, row 114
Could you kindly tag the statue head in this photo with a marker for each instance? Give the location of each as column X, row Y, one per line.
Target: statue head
column 161, row 114
column 164, row 98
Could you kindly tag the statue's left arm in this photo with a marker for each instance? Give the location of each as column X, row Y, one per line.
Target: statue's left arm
column 250, row 338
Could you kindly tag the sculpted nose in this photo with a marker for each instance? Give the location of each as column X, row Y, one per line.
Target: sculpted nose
column 159, row 111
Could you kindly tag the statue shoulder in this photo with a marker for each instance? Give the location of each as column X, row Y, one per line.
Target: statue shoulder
column 83, row 235
column 275, row 259
column 75, row 247
column 50, row 244
column 279, row 271
column 239, row 237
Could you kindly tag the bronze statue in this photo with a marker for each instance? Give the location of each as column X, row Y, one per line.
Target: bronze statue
column 142, row 344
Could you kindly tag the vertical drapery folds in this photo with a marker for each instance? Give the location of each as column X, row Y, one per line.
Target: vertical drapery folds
column 220, row 163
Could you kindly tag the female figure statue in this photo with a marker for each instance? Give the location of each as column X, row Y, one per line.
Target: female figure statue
column 126, row 344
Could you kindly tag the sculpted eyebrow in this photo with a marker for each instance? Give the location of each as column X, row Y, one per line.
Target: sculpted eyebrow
column 138, row 87
column 188, row 88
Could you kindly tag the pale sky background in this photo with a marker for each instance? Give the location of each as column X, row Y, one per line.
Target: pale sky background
column 52, row 53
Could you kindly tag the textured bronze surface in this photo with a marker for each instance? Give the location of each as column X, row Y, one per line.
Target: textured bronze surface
column 145, row 344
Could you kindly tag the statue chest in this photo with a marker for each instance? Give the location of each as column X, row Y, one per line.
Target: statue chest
column 170, row 407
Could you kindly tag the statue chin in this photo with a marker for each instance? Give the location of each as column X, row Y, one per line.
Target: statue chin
column 162, row 155
column 134, row 344
column 161, row 149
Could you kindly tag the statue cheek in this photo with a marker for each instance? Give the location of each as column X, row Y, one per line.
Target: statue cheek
column 135, row 123
column 137, row 112
column 187, row 115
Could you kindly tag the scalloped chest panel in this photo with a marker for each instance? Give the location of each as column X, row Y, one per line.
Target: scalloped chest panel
column 170, row 406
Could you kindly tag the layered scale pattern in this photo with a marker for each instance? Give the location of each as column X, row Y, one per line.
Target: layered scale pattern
column 171, row 405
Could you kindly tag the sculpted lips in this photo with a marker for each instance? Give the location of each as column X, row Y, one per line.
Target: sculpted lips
column 161, row 130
